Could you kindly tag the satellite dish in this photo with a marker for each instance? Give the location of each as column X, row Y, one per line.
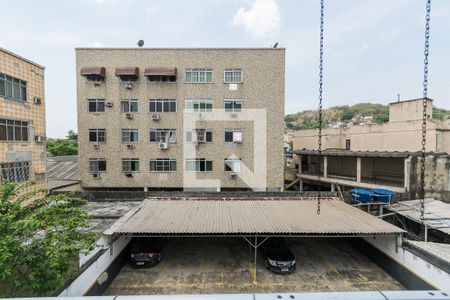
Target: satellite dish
column 140, row 43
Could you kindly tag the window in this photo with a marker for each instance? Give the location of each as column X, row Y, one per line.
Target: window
column 161, row 78
column 14, row 88
column 97, row 135
column 163, row 135
column 96, row 105
column 233, row 105
column 199, row 76
column 13, row 130
column 130, row 135
column 347, row 144
column 163, row 105
column 232, row 165
column 130, row 164
column 94, row 78
column 233, row 76
column 97, row 165
column 15, row 171
column 199, row 165
column 163, row 165
column 199, row 136
column 233, row 135
column 128, row 78
column 198, row 105
column 128, row 106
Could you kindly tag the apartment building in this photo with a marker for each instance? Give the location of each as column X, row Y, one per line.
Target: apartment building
column 189, row 118
column 22, row 119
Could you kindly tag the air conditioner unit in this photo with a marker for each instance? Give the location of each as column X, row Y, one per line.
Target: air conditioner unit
column 37, row 100
column 233, row 116
column 129, row 174
column 233, row 175
column 201, row 116
column 95, row 175
column 155, row 117
column 163, row 145
column 130, row 146
column 96, row 146
column 128, row 85
column 109, row 104
column 129, row 116
column 39, row 139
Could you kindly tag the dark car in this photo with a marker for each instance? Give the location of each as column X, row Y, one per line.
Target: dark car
column 146, row 252
column 279, row 258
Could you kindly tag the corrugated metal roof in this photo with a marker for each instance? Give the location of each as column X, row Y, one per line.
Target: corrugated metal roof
column 240, row 217
column 63, row 167
column 437, row 213
column 391, row 154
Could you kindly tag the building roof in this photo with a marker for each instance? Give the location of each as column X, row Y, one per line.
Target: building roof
column 249, row 217
column 437, row 213
column 409, row 100
column 182, row 48
column 63, row 167
column 22, row 58
column 392, row 154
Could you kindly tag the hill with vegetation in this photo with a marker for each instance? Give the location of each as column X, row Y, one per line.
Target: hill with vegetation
column 348, row 115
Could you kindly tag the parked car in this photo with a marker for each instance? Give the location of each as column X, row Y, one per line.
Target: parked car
column 146, row 252
column 279, row 258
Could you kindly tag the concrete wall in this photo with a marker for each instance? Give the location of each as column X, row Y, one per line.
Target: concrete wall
column 21, row 68
column 409, row 110
column 262, row 88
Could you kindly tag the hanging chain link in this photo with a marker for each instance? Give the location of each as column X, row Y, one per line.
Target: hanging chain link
column 320, row 99
column 424, row 113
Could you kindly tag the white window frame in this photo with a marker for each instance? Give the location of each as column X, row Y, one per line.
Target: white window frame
column 129, row 131
column 96, row 105
column 233, row 75
column 164, row 161
column 233, row 130
column 163, row 132
column 198, row 162
column 193, row 132
column 96, row 135
column 235, row 165
column 129, row 101
column 201, row 73
column 234, row 101
column 162, row 101
column 129, row 160
column 97, row 160
column 199, row 102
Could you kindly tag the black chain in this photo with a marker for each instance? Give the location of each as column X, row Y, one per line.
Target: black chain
column 320, row 99
column 424, row 113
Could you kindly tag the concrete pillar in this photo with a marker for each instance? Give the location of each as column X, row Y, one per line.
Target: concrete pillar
column 358, row 169
column 146, row 189
column 299, row 160
column 300, row 185
column 406, row 175
column 325, row 166
column 333, row 187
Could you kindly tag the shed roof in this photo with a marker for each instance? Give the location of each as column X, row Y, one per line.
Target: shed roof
column 389, row 154
column 249, row 217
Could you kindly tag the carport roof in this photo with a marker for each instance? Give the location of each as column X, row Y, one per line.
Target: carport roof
column 249, row 217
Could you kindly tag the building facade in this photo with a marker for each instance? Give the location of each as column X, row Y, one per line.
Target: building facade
column 180, row 118
column 22, row 119
column 403, row 132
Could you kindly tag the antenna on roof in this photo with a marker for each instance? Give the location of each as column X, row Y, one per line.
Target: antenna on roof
column 398, row 97
column 140, row 43
column 275, row 45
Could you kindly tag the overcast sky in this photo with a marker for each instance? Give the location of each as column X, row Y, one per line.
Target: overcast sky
column 373, row 48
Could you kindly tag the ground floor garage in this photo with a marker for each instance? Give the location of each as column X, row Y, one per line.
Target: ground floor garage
column 225, row 265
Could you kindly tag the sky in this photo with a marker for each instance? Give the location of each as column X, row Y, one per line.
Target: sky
column 373, row 49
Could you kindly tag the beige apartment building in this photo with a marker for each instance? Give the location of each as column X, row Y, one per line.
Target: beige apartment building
column 192, row 118
column 22, row 119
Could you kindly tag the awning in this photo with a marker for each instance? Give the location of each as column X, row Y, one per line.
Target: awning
column 93, row 71
column 160, row 71
column 250, row 217
column 131, row 71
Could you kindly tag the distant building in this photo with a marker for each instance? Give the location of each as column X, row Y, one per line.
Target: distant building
column 173, row 118
column 378, row 155
column 22, row 119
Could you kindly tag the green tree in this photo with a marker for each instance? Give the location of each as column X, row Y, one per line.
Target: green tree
column 40, row 239
column 67, row 146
